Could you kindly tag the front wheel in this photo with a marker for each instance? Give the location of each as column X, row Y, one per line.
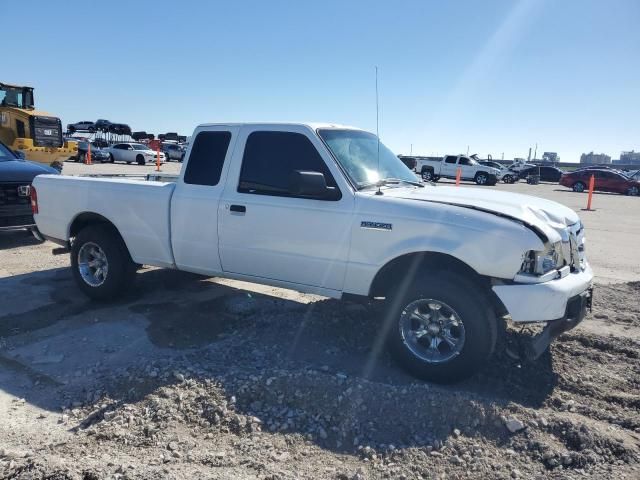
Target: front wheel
column 579, row 187
column 508, row 179
column 140, row 160
column 111, row 159
column 633, row 191
column 436, row 333
column 101, row 264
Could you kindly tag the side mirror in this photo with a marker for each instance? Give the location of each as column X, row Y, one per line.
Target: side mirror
column 20, row 154
column 312, row 185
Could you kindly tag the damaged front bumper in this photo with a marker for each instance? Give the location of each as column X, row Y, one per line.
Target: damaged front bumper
column 561, row 303
column 577, row 308
column 543, row 302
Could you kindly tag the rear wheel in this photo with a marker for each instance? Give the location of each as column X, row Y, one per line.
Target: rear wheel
column 578, row 187
column 436, row 333
column 427, row 175
column 508, row 179
column 101, row 264
column 140, row 160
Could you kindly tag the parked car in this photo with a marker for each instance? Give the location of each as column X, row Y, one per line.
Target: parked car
column 325, row 209
column 547, row 173
column 132, row 152
column 173, row 151
column 16, row 175
column 434, row 170
column 633, row 174
column 605, row 180
column 84, row 126
column 508, row 176
column 519, row 164
column 97, row 154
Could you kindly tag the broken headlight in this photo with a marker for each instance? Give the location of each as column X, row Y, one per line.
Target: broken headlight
column 539, row 263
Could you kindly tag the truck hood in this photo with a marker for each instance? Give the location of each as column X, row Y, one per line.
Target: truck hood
column 545, row 216
column 22, row 170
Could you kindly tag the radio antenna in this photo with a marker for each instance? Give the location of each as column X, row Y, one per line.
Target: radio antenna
column 379, row 192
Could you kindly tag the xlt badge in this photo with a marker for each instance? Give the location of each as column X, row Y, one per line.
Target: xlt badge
column 376, row 225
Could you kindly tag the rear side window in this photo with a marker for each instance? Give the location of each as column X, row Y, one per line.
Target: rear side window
column 450, row 159
column 207, row 158
column 271, row 157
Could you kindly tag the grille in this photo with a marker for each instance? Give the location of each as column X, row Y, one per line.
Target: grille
column 46, row 131
column 9, row 195
column 576, row 242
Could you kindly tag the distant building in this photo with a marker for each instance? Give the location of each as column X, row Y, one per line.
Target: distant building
column 594, row 158
column 630, row 158
column 551, row 157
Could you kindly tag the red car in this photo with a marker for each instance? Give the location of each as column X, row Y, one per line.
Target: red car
column 605, row 181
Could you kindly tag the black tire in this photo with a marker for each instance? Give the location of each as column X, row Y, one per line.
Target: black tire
column 427, row 175
column 633, row 191
column 120, row 268
column 468, row 301
column 111, row 159
column 78, row 157
column 508, row 179
column 578, row 187
column 482, row 178
column 140, row 160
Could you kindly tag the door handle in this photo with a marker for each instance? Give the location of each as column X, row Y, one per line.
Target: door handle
column 238, row 208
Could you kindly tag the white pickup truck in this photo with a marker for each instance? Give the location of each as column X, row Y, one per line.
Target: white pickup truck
column 447, row 167
column 327, row 209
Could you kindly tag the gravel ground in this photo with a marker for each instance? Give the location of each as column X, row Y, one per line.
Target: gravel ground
column 189, row 377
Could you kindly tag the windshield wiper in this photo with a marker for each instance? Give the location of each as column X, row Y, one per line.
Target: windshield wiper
column 386, row 181
column 389, row 181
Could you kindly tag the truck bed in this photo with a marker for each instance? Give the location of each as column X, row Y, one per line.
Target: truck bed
column 139, row 209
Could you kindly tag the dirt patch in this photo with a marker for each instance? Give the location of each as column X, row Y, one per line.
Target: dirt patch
column 245, row 385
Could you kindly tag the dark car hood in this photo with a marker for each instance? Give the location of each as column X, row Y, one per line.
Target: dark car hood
column 22, row 170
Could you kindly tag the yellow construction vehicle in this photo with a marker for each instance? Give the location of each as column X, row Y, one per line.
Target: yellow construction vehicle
column 34, row 133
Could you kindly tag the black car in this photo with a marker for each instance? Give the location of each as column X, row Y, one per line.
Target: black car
column 102, row 125
column 97, row 155
column 16, row 176
column 547, row 173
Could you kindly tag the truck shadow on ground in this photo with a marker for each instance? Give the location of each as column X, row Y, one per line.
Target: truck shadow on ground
column 318, row 358
column 15, row 239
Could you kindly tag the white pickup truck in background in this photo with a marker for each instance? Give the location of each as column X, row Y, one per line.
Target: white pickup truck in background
column 329, row 210
column 447, row 167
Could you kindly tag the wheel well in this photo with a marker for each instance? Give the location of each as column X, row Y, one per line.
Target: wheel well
column 399, row 272
column 426, row 168
column 85, row 219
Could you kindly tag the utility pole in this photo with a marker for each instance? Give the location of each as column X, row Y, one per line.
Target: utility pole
column 467, row 149
column 411, row 150
column 535, row 153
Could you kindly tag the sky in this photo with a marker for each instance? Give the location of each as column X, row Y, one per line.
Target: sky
column 493, row 76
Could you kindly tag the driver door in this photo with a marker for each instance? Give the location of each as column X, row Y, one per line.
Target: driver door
column 268, row 232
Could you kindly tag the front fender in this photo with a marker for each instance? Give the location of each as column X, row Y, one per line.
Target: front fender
column 493, row 246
